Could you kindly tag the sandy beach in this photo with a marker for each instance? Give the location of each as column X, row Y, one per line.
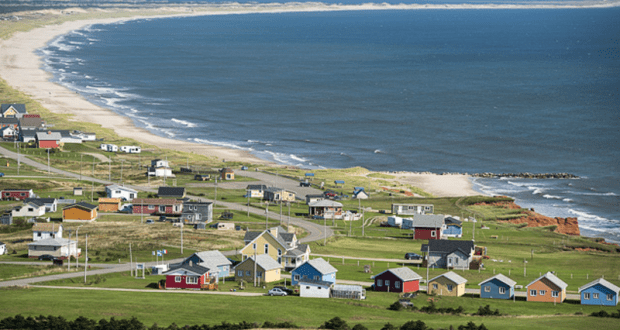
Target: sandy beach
column 21, row 68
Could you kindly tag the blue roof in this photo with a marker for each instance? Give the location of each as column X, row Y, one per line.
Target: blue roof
column 339, row 181
column 309, row 174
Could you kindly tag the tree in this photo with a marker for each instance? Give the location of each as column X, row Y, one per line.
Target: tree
column 335, row 323
column 414, row 325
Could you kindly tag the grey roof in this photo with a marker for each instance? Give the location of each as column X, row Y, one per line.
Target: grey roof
column 83, row 205
column 30, row 122
column 213, row 259
column 251, row 235
column 294, row 253
column 500, row 277
column 10, row 120
column 171, row 191
column 42, row 200
column 256, row 187
column 600, row 281
column 428, row 220
column 452, row 220
column 21, row 108
column 2, row 243
column 52, row 242
column 345, row 287
column 452, row 276
column 404, row 273
column 551, row 277
column 46, row 136
column 448, row 246
column 321, row 266
column 287, row 237
column 265, row 262
column 195, row 269
column 325, row 203
column 306, row 280
column 117, row 187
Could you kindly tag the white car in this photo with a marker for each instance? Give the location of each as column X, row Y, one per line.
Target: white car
column 277, row 292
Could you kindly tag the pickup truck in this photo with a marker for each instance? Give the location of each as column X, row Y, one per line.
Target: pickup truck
column 304, row 184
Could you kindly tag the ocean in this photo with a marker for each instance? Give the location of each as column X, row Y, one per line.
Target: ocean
column 446, row 90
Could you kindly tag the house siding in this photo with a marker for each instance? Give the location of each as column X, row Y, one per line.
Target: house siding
column 426, row 233
column 453, row 231
column 310, row 272
column 76, row 213
column 248, row 250
column 172, row 284
column 47, row 144
column 442, row 288
column 408, row 286
column 16, row 195
column 602, row 296
column 547, row 286
column 248, row 266
column 494, row 286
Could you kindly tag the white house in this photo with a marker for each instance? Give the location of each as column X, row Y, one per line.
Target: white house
column 41, row 231
column 85, row 136
column 394, row 221
column 131, row 149
column 124, row 193
column 159, row 168
column 29, row 209
column 2, row 248
column 109, row 147
column 314, row 289
column 58, row 247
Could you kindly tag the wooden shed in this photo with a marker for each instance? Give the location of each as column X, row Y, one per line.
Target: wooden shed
column 109, row 204
column 79, row 212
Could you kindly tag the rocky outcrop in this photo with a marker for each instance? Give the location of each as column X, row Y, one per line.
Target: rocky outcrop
column 526, row 175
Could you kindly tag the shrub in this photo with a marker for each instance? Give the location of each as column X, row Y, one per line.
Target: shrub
column 388, row 326
column 414, row 325
column 486, row 310
column 396, row 306
column 335, row 323
column 359, row 327
column 472, row 326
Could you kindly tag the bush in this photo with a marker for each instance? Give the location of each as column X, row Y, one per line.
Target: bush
column 335, row 323
column 388, row 326
column 396, row 306
column 486, row 311
column 414, row 325
column 605, row 314
column 359, row 327
column 472, row 326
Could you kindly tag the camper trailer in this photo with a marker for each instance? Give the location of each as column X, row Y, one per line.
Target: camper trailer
column 131, row 149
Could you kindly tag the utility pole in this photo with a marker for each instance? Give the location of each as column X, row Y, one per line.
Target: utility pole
column 77, row 261
column 86, row 261
column 215, row 197
column 122, row 163
column 48, row 161
column 81, row 157
column 69, row 252
column 18, row 160
column 428, row 261
column 92, row 183
column 182, row 238
column 266, row 215
column 280, row 212
column 109, row 169
column 248, row 202
column 289, row 214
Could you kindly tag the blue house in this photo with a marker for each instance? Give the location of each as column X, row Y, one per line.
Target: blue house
column 454, row 227
column 497, row 287
column 214, row 260
column 599, row 292
column 315, row 269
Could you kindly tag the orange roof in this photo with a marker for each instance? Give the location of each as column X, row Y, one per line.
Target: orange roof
column 109, row 200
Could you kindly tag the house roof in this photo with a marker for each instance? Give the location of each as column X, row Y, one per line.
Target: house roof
column 345, row 287
column 551, row 277
column 51, row 227
column 82, row 205
column 428, row 220
column 448, row 246
column 52, row 242
column 500, row 277
column 43, row 200
column 109, row 200
column 452, row 221
column 296, row 251
column 117, row 187
column 10, row 120
column 256, row 187
column 265, row 262
column 35, row 202
column 251, row 235
column 21, row 108
column 156, row 201
column 452, row 276
column 186, row 269
column 30, row 122
column 227, row 170
column 317, row 282
column 47, row 136
column 602, row 282
column 325, row 203
column 171, row 191
column 212, row 259
column 404, row 273
column 321, row 266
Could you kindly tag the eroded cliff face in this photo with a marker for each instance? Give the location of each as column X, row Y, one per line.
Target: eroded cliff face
column 568, row 226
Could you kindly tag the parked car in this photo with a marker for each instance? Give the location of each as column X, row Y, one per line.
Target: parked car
column 1, row 174
column 46, row 257
column 413, row 256
column 277, row 292
column 149, row 221
column 287, row 290
column 304, row 184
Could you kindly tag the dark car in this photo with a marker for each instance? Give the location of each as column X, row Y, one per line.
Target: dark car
column 46, row 257
column 287, row 290
column 412, row 256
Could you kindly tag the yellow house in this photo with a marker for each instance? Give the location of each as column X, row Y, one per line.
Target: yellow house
column 265, row 242
column 267, row 270
column 447, row 284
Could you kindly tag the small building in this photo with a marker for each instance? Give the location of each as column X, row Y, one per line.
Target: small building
column 360, row 193
column 159, row 168
column 215, row 261
column 202, row 177
column 30, row 122
column 51, row 204
column 454, row 227
column 314, row 198
column 600, row 293
column 48, row 140
column 195, row 212
column 171, row 192
column 187, row 276
column 17, row 194
column 60, row 248
column 9, row 133
column 9, row 122
column 426, row 226
column 314, row 270
column 6, row 219
column 109, row 204
column 267, row 269
column 278, row 195
column 279, row 244
column 447, row 284
column 325, row 209
column 225, row 226
column 78, row 191
column 401, row 279
column 449, row 254
column 497, row 287
column 41, row 231
column 412, row 209
column 14, row 110
column 3, row 249
column 30, row 209
column 122, row 192
column 314, row 288
column 547, row 288
column 394, row 221
column 131, row 149
column 344, row 291
column 157, row 206
column 227, row 173
column 256, row 190
column 79, row 212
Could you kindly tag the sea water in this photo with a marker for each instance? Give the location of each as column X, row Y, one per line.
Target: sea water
column 502, row 90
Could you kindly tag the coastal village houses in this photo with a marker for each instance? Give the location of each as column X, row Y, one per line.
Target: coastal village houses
column 280, row 245
column 547, row 288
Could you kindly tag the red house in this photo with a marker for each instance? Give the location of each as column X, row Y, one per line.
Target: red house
column 17, row 194
column 48, row 140
column 187, row 276
column 427, row 226
column 157, row 206
column 398, row 280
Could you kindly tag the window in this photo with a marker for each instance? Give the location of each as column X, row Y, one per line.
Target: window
column 433, row 233
column 586, row 296
column 317, row 278
column 266, row 248
column 248, row 273
column 259, row 274
column 554, row 294
column 379, row 282
column 502, row 290
column 191, row 280
column 610, row 297
column 320, row 288
column 151, row 207
column 533, row 293
column 387, row 282
column 307, row 288
column 254, row 246
column 296, row 277
column 449, row 286
column 487, row 289
column 162, row 208
column 542, row 292
column 279, row 252
column 595, row 295
column 239, row 273
column 397, row 284
column 435, row 286
column 177, row 279
column 279, row 260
